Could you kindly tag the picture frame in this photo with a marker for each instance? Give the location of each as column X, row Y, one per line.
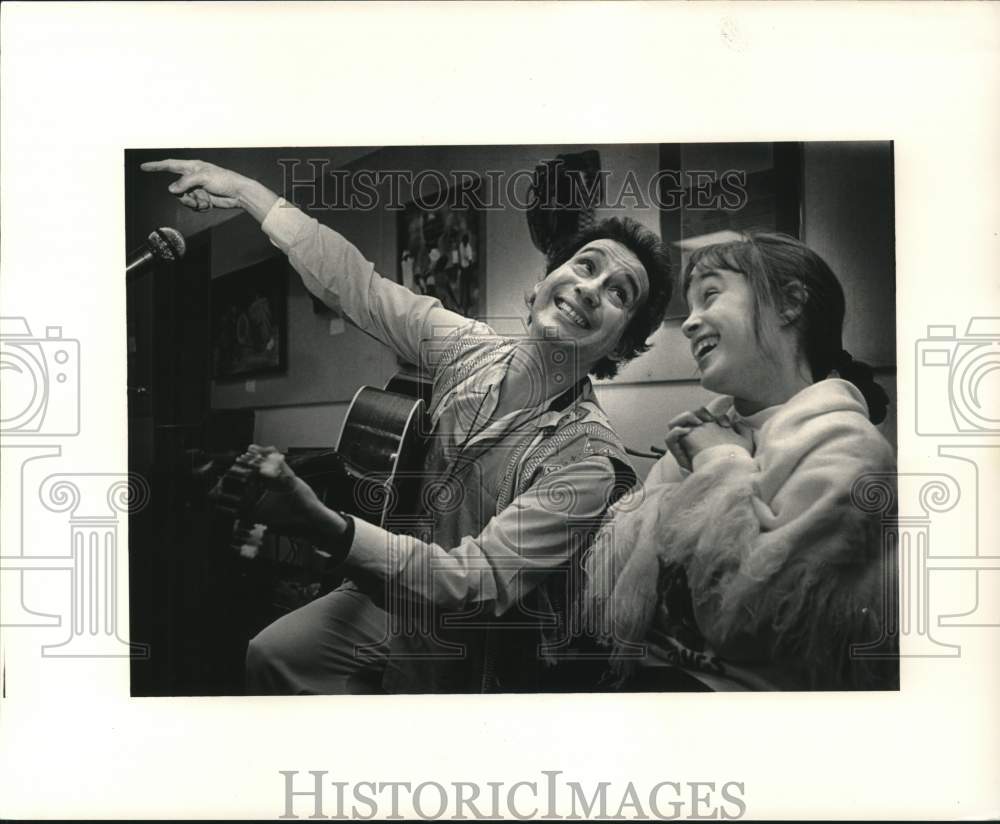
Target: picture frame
column 249, row 324
column 441, row 251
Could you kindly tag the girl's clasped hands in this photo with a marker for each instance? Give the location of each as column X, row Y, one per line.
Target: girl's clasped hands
column 692, row 432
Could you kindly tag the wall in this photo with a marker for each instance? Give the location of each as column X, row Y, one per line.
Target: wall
column 848, row 214
column 848, row 218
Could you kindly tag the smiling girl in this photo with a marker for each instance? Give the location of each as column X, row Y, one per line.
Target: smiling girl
column 744, row 561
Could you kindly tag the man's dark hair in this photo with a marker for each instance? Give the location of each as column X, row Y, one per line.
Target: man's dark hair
column 646, row 246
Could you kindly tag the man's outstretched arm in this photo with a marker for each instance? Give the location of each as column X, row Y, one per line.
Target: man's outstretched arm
column 331, row 267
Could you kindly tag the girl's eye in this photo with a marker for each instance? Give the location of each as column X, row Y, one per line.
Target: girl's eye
column 709, row 295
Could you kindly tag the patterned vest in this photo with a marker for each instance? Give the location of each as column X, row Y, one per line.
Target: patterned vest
column 464, row 485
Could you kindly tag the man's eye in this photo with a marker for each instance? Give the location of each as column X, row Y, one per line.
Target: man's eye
column 588, row 267
column 619, row 292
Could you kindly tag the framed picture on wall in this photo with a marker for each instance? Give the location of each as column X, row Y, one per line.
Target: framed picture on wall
column 250, row 321
column 441, row 251
column 711, row 192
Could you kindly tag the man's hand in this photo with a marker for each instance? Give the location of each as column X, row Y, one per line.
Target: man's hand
column 203, row 186
column 288, row 504
column 692, row 432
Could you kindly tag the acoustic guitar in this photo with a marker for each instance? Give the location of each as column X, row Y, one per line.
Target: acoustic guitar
column 373, row 474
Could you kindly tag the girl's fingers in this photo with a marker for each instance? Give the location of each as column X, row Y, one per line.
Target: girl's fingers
column 674, row 446
column 676, row 433
column 689, row 419
column 703, row 415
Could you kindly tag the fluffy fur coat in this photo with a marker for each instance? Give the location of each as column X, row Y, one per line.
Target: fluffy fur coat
column 780, row 571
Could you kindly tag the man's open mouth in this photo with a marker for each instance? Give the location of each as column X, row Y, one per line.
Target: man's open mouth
column 572, row 314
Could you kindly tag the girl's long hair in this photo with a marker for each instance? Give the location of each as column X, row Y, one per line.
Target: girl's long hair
column 783, row 273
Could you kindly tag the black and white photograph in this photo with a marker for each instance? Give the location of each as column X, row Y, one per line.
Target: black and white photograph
column 642, row 461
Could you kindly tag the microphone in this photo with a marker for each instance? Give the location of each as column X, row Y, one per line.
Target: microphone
column 162, row 244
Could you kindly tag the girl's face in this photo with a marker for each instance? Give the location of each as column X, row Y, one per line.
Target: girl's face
column 720, row 327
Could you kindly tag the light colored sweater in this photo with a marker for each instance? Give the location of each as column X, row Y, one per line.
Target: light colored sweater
column 785, row 572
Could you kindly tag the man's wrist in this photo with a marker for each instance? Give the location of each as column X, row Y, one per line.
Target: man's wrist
column 334, row 531
column 255, row 198
column 330, row 549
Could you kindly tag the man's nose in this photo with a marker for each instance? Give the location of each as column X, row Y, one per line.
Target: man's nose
column 588, row 292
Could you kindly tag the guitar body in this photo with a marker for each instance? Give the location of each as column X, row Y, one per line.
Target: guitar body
column 382, row 445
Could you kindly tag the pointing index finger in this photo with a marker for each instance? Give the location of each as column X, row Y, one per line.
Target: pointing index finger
column 178, row 167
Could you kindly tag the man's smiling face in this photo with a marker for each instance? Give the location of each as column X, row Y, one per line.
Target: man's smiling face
column 591, row 299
